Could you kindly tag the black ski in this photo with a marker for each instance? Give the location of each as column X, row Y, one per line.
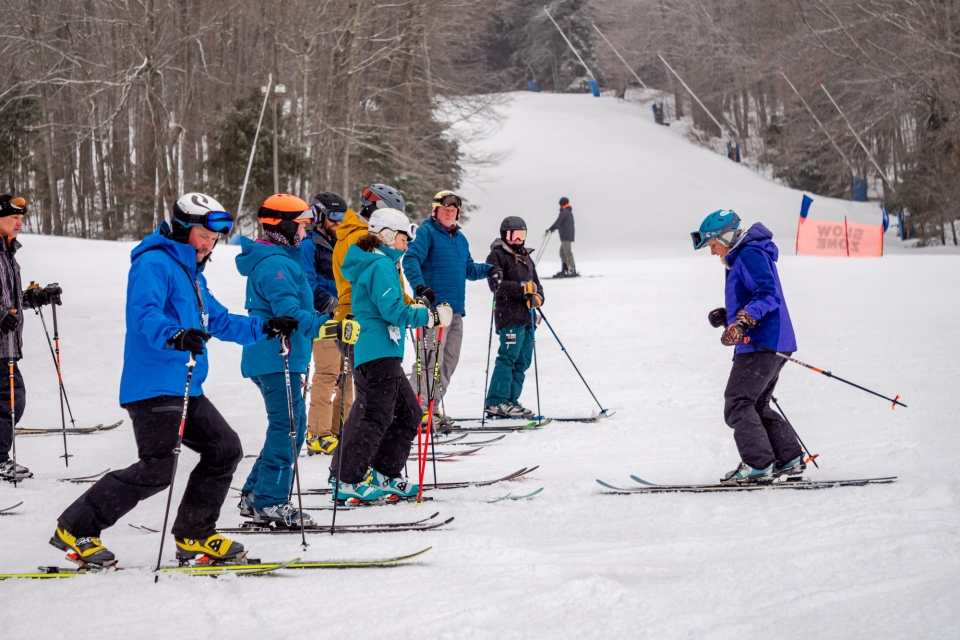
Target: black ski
column 81, row 479
column 447, row 485
column 530, row 425
column 71, row 431
column 252, row 527
column 718, row 487
column 8, row 510
column 450, row 454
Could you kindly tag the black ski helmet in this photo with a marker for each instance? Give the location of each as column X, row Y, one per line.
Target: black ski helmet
column 564, row 201
column 511, row 223
column 380, row 196
column 329, row 205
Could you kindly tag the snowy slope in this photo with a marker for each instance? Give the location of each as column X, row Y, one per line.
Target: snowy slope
column 877, row 562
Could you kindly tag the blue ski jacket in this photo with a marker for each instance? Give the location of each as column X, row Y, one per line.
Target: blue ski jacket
column 277, row 286
column 440, row 259
column 754, row 285
column 316, row 258
column 162, row 297
column 378, row 303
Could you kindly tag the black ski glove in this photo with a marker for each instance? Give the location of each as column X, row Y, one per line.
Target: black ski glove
column 717, row 318
column 35, row 297
column 193, row 340
column 330, row 305
column 426, row 293
column 282, row 326
column 495, row 277
column 9, row 321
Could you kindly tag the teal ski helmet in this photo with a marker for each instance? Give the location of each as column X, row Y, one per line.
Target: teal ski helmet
column 717, row 224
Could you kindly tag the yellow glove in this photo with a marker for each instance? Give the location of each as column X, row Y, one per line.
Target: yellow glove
column 534, row 301
column 346, row 331
column 529, row 287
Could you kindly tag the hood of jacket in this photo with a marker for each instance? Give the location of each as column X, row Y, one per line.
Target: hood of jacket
column 253, row 253
column 351, row 225
column 758, row 237
column 161, row 240
column 358, row 260
column 503, row 246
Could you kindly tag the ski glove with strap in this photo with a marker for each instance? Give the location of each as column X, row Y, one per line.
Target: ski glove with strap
column 346, row 331
column 733, row 334
column 529, row 287
column 495, row 277
column 330, row 305
column 426, row 293
column 442, row 316
column 192, row 340
column 35, row 297
column 717, row 318
column 9, row 321
column 282, row 326
column 534, row 301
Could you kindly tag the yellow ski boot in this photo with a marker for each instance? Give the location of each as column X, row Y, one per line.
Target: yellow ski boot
column 212, row 550
column 83, row 551
column 321, row 446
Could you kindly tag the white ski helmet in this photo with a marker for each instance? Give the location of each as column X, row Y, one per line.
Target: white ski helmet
column 386, row 223
column 199, row 209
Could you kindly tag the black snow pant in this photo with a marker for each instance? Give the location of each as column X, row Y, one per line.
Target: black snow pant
column 156, row 422
column 762, row 435
column 19, row 404
column 387, row 418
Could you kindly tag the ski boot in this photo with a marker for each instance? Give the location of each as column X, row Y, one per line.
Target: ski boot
column 356, row 493
column 317, row 446
column 504, row 410
column 86, row 552
column 246, row 505
column 282, row 515
column 745, row 474
column 525, row 413
column 214, row 549
column 794, row 467
column 394, row 486
column 7, row 472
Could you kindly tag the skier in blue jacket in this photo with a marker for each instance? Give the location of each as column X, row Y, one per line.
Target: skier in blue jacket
column 171, row 312
column 754, row 313
column 277, row 285
column 379, row 441
column 438, row 265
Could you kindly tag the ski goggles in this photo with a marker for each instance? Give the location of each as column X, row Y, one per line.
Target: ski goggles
column 725, row 237
column 216, row 221
column 306, row 216
column 516, row 234
column 320, row 211
column 450, row 201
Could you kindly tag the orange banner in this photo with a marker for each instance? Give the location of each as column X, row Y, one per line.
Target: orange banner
column 847, row 239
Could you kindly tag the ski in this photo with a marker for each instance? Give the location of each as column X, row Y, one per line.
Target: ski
column 80, row 479
column 447, row 485
column 603, row 414
column 569, row 277
column 8, row 510
column 510, row 496
column 362, row 528
column 250, row 568
column 71, row 431
column 596, row 418
column 718, row 487
column 450, row 454
column 528, row 426
column 482, row 442
column 450, row 440
column 142, row 528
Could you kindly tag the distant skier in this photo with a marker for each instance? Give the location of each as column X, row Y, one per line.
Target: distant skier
column 438, row 265
column 316, row 257
column 517, row 293
column 170, row 311
column 755, row 312
column 387, row 416
column 565, row 226
column 13, row 299
column 277, row 286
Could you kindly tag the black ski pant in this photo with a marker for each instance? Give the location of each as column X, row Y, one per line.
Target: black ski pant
column 387, row 415
column 156, row 422
column 762, row 435
column 19, row 404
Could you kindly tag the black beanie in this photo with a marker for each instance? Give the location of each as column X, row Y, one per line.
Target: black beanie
column 10, row 206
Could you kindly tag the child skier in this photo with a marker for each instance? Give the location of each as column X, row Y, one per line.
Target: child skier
column 755, row 309
column 516, row 297
column 388, row 415
column 275, row 280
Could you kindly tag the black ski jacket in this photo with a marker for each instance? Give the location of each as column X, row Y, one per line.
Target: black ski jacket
column 11, row 296
column 517, row 265
column 564, row 224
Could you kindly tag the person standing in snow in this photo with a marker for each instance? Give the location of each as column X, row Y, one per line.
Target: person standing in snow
column 171, row 312
column 316, row 257
column 13, row 299
column 517, row 294
column 438, row 265
column 756, row 312
column 277, row 286
column 565, row 226
column 388, row 414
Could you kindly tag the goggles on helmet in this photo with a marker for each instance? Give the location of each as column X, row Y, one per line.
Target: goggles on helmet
column 320, row 211
column 451, row 201
column 516, row 234
column 216, row 221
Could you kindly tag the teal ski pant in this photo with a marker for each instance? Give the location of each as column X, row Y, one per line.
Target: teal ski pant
column 271, row 478
column 513, row 360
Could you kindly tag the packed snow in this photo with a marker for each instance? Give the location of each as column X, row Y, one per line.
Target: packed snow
column 865, row 562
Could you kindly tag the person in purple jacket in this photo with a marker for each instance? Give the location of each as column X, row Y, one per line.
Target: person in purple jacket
column 754, row 313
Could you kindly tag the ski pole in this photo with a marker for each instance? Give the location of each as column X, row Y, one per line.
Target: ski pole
column 536, row 371
column 436, row 381
column 810, row 457
column 486, row 375
column 55, row 353
column 894, row 401
column 418, row 343
column 176, row 456
column 343, row 409
column 13, row 405
column 562, row 348
column 543, row 247
column 285, row 352
column 422, row 452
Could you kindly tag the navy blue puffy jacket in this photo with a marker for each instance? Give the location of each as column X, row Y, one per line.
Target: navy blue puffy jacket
column 316, row 257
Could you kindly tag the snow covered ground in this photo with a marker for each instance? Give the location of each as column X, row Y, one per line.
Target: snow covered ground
column 877, row 561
